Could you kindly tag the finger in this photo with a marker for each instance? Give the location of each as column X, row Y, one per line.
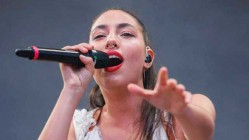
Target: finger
column 85, row 45
column 83, row 50
column 88, row 61
column 67, row 48
column 72, row 48
column 134, row 89
column 188, row 96
column 172, row 83
column 162, row 76
column 180, row 88
column 78, row 46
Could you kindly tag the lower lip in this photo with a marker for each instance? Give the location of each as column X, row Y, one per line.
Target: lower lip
column 114, row 68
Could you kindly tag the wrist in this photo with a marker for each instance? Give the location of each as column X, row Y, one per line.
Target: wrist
column 72, row 94
column 182, row 111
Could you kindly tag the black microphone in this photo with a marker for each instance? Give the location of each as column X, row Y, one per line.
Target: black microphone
column 101, row 59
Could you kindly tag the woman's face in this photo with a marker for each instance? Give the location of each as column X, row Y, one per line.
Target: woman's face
column 117, row 33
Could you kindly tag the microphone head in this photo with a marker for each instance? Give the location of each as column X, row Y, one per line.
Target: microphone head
column 114, row 62
column 102, row 60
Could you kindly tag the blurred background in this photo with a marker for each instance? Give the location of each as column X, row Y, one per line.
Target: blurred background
column 204, row 44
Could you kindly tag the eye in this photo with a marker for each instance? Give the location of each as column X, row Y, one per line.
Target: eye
column 98, row 36
column 127, row 34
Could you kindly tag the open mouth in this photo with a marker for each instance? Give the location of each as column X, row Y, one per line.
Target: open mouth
column 115, row 61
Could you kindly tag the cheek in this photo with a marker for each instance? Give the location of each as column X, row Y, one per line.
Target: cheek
column 135, row 57
column 135, row 49
column 136, row 53
column 135, row 60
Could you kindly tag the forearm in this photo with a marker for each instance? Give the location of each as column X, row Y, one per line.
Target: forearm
column 196, row 123
column 58, row 124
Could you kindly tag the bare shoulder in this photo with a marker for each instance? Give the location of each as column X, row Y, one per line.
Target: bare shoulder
column 205, row 111
column 204, row 102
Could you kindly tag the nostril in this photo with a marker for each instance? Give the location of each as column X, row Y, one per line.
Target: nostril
column 112, row 45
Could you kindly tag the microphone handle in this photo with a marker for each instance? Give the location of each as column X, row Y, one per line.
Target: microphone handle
column 62, row 56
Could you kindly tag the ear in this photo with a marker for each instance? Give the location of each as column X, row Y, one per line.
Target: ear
column 150, row 52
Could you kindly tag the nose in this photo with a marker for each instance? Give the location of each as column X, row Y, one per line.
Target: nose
column 111, row 42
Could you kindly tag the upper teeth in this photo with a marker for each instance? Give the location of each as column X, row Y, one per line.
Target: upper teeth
column 113, row 56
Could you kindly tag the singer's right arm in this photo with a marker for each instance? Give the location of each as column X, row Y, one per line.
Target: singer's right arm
column 75, row 81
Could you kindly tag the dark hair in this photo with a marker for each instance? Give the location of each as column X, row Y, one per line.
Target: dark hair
column 150, row 117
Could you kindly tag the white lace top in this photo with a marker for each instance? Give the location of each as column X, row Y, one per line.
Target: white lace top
column 83, row 120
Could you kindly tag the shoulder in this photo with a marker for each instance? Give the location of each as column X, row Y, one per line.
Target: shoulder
column 199, row 104
column 205, row 103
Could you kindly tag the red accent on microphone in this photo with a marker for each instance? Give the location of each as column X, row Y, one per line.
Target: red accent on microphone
column 36, row 52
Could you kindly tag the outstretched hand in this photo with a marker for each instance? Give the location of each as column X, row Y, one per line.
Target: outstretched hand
column 167, row 95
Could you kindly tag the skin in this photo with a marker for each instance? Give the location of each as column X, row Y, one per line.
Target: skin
column 194, row 114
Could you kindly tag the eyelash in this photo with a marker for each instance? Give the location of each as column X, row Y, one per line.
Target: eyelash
column 98, row 36
column 125, row 34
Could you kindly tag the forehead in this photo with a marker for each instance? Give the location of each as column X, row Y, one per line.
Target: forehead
column 115, row 17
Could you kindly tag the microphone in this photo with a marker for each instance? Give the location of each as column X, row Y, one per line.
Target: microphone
column 100, row 59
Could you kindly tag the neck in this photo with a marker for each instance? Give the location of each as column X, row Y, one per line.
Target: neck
column 121, row 112
column 120, row 103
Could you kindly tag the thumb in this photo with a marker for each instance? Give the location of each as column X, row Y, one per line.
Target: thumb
column 137, row 90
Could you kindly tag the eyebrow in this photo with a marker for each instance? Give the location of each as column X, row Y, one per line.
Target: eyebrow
column 119, row 26
column 123, row 25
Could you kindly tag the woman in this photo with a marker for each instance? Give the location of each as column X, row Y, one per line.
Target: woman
column 128, row 103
